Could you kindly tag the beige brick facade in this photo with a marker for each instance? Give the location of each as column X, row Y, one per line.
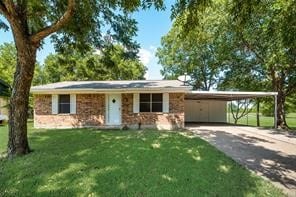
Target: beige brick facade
column 91, row 110
column 172, row 120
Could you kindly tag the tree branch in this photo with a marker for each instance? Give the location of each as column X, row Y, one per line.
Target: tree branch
column 251, row 48
column 37, row 37
column 3, row 9
column 2, row 6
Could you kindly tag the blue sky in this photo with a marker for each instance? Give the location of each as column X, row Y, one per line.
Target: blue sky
column 152, row 26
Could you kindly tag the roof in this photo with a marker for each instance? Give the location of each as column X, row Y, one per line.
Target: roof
column 112, row 86
column 226, row 95
column 143, row 86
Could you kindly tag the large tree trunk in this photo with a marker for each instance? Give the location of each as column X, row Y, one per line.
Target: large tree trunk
column 19, row 101
column 278, row 80
column 26, row 44
column 281, row 115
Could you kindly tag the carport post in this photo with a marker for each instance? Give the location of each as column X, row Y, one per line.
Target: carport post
column 275, row 111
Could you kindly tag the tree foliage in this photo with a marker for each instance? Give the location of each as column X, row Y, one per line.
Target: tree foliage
column 199, row 52
column 259, row 44
column 8, row 59
column 265, row 35
column 7, row 62
column 109, row 64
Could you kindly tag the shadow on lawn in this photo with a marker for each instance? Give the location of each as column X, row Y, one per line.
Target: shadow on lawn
column 128, row 163
column 274, row 165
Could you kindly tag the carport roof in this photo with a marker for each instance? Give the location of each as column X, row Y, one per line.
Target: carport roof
column 226, row 95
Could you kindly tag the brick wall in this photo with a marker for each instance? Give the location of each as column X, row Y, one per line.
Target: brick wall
column 90, row 111
column 173, row 119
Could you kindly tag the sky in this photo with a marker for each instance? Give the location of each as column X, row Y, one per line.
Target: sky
column 152, row 25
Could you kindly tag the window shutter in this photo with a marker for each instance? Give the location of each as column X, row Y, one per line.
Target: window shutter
column 54, row 103
column 165, row 102
column 73, row 104
column 136, row 103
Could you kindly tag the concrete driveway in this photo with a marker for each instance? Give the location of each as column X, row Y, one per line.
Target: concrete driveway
column 268, row 153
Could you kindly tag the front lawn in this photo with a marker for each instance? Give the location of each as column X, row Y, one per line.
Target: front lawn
column 92, row 162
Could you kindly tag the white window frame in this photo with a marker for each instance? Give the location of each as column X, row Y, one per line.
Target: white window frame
column 55, row 103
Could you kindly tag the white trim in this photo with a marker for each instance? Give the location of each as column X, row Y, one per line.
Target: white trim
column 165, row 102
column 233, row 93
column 72, row 103
column 136, row 103
column 54, row 104
column 106, row 109
column 275, row 111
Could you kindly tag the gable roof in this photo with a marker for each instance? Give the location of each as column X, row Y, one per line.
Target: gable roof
column 112, row 86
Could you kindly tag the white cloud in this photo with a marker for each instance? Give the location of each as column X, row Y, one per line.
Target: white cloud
column 145, row 56
column 148, row 58
column 146, row 76
column 153, row 48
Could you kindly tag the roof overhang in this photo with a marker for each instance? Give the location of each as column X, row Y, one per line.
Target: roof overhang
column 98, row 91
column 226, row 95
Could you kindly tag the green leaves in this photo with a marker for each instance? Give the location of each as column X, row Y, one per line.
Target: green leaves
column 111, row 63
column 199, row 52
column 8, row 61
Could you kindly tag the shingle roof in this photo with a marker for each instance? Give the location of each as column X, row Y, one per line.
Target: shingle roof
column 111, row 85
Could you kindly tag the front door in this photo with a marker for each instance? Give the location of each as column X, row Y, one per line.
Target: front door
column 114, row 109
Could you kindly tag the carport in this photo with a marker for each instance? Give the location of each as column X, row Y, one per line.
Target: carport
column 211, row 106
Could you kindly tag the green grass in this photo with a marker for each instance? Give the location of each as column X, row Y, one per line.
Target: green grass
column 88, row 162
column 265, row 121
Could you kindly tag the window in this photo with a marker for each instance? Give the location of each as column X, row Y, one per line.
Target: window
column 151, row 102
column 64, row 104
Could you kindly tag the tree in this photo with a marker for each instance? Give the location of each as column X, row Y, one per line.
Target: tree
column 269, row 34
column 198, row 52
column 111, row 64
column 264, row 29
column 240, row 109
column 70, row 23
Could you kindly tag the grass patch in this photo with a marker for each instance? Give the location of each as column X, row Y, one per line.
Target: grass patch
column 265, row 121
column 124, row 163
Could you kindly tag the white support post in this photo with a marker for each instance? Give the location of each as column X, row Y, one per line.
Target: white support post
column 275, row 111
